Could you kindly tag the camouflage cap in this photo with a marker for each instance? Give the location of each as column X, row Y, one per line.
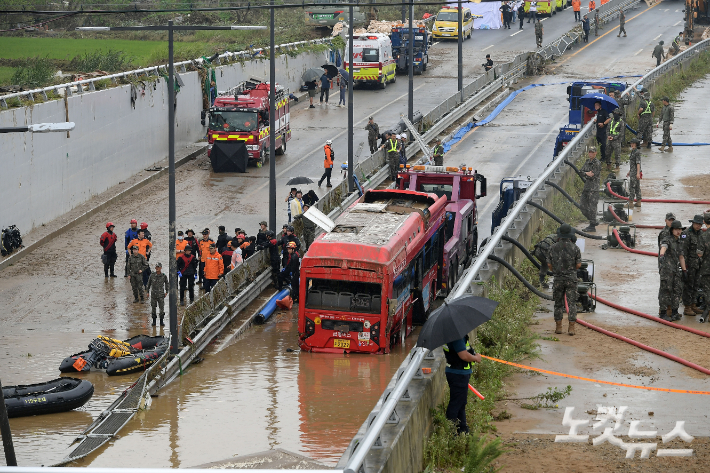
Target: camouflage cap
column 134, row 247
column 666, row 99
column 565, row 231
column 706, row 216
column 670, row 216
column 635, row 140
column 617, row 111
column 263, row 222
column 697, row 219
column 158, row 265
column 676, row 224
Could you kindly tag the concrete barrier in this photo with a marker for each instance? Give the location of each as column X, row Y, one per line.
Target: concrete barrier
column 47, row 175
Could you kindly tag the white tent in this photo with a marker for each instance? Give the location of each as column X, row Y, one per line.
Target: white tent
column 492, row 19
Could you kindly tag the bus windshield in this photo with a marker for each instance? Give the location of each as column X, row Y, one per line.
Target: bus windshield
column 439, row 189
column 448, row 16
column 233, row 121
column 343, row 296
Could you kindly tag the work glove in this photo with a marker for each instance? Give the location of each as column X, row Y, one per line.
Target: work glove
column 661, row 260
column 685, row 276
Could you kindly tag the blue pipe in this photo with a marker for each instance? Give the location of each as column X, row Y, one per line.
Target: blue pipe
column 270, row 306
column 674, row 143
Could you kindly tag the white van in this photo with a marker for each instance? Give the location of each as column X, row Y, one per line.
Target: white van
column 372, row 60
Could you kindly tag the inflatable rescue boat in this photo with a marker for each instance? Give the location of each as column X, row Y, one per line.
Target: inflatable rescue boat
column 117, row 357
column 59, row 395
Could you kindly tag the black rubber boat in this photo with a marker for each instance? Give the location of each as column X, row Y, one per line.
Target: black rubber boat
column 117, row 357
column 58, row 395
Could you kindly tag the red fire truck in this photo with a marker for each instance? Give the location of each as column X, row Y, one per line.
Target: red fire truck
column 461, row 225
column 242, row 114
column 366, row 283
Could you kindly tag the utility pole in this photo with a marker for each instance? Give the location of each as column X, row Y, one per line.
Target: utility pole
column 7, row 444
column 460, row 11
column 410, row 106
column 272, row 122
column 351, row 108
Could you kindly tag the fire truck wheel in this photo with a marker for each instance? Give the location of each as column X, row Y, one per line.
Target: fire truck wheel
column 262, row 158
column 281, row 150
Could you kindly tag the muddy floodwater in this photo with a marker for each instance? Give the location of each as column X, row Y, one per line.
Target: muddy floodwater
column 247, row 396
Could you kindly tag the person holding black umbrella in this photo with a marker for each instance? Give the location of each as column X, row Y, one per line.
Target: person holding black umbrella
column 325, row 85
column 459, row 356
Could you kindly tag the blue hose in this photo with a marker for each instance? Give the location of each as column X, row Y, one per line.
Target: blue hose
column 674, row 143
column 270, row 306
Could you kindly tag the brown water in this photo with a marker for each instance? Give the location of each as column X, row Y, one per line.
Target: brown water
column 247, row 396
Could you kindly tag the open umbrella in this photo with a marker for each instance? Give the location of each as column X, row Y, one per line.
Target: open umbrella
column 454, row 320
column 608, row 103
column 312, row 74
column 345, row 74
column 229, row 156
column 299, row 180
column 331, row 69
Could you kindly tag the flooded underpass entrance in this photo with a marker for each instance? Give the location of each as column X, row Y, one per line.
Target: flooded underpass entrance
column 247, row 395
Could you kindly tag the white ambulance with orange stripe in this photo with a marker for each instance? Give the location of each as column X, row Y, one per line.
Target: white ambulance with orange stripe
column 373, row 62
column 242, row 114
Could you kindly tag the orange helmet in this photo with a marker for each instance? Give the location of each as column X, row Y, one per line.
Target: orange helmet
column 291, row 244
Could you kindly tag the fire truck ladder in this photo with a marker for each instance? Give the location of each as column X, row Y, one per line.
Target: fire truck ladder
column 425, row 149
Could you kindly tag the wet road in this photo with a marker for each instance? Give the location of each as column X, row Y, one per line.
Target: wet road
column 56, row 300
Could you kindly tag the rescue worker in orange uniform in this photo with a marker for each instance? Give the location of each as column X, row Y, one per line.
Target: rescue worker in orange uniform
column 592, row 6
column 327, row 163
column 577, row 6
column 203, row 249
column 180, row 244
column 214, row 268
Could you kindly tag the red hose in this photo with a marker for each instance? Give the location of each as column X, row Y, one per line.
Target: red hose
column 666, row 201
column 640, row 345
column 641, row 252
column 616, row 217
column 649, row 317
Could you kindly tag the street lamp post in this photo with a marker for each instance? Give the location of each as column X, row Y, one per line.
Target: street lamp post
column 170, row 28
column 410, row 114
column 460, row 59
column 351, row 108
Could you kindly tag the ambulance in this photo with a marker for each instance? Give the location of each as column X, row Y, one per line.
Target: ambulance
column 373, row 62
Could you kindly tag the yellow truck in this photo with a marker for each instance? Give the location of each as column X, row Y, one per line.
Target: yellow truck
column 544, row 7
column 446, row 25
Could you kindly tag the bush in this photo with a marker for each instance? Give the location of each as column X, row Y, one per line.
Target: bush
column 34, row 73
column 109, row 61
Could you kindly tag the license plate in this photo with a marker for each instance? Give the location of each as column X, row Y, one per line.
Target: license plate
column 322, row 16
column 337, row 343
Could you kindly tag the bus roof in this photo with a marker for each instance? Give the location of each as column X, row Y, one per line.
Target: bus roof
column 374, row 222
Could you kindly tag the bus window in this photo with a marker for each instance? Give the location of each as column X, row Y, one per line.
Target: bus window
column 343, row 296
column 450, row 221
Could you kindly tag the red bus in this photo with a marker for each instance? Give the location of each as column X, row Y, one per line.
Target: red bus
column 369, row 280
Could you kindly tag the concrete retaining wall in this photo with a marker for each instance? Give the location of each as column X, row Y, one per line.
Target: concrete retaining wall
column 46, row 175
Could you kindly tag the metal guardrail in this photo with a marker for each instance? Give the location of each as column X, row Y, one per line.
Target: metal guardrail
column 153, row 71
column 44, row 469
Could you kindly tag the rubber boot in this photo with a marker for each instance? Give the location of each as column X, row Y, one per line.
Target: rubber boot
column 663, row 148
column 558, row 326
column 675, row 315
column 570, row 328
column 153, row 320
column 648, row 146
column 135, row 301
column 182, row 303
column 666, row 315
column 670, row 148
column 697, row 309
column 591, row 228
column 543, row 284
column 688, row 310
column 142, row 301
column 162, row 321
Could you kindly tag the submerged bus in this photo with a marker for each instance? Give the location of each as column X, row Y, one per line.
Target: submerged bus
column 369, row 280
column 328, row 14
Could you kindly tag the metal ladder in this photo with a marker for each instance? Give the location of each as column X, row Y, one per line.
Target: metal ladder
column 425, row 149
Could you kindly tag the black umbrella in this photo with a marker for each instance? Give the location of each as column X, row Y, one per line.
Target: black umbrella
column 312, row 74
column 454, row 320
column 299, row 180
column 229, row 156
column 331, row 70
column 345, row 74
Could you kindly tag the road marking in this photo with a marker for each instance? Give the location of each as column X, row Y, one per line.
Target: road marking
column 658, row 36
column 637, row 52
column 489, row 47
column 436, row 43
column 666, row 9
column 681, row 21
column 608, row 32
column 519, row 31
column 544, row 19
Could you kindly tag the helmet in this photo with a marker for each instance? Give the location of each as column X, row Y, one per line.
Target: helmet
column 329, row 142
column 635, row 140
column 290, row 229
column 270, row 234
column 144, row 226
column 110, row 224
column 291, row 244
column 617, row 111
column 134, row 221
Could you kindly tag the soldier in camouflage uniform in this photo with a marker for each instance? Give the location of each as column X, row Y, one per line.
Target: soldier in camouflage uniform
column 373, row 134
column 704, row 272
column 690, row 244
column 634, row 173
column 667, row 116
column 542, row 253
column 438, row 153
column 538, row 33
column 671, row 289
column 616, row 126
column 645, row 116
column 590, row 194
column 670, row 217
column 136, row 265
column 158, row 289
column 596, row 22
column 309, row 229
column 565, row 259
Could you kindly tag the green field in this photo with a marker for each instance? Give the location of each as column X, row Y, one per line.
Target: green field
column 6, row 74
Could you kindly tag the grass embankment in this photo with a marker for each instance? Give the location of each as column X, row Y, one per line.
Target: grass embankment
column 507, row 336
